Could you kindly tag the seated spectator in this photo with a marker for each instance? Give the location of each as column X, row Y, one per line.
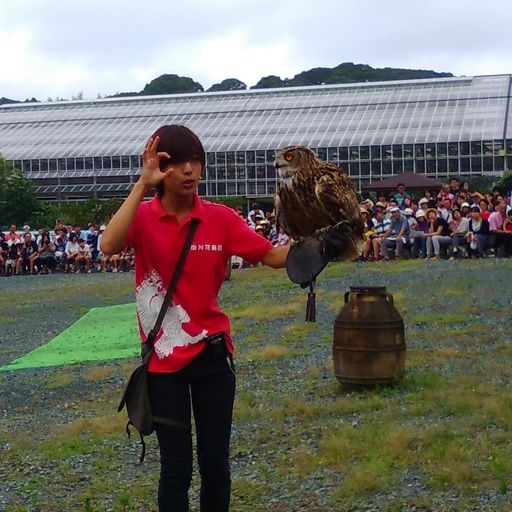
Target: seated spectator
column 438, row 234
column 27, row 255
column 61, row 240
column 464, row 208
column 499, row 236
column 459, row 226
column 115, row 262
column 478, row 235
column 445, row 210
column 46, row 260
column 430, row 199
column 13, row 253
column 282, row 238
column 445, row 194
column 485, row 209
column 367, row 233
column 84, row 257
column 26, row 231
column 418, row 238
column 127, row 259
column 72, row 251
column 4, row 249
column 507, row 227
column 397, row 235
column 13, row 234
column 381, row 225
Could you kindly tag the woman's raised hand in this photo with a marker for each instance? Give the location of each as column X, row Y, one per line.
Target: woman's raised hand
column 151, row 174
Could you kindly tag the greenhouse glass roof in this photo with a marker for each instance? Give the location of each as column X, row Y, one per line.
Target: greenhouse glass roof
column 412, row 111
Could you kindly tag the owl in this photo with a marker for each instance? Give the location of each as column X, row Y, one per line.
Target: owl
column 314, row 196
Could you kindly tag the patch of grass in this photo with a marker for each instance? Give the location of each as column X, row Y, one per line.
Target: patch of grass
column 268, row 353
column 60, row 380
column 266, row 312
column 435, row 318
column 99, row 373
column 298, row 332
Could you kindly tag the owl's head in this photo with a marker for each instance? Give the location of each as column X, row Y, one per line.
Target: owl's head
column 293, row 158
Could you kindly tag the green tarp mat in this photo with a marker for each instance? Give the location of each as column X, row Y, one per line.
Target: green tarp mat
column 101, row 334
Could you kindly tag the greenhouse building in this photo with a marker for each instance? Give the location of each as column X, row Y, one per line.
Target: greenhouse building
column 460, row 126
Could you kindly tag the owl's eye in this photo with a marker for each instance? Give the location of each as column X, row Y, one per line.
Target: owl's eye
column 288, row 157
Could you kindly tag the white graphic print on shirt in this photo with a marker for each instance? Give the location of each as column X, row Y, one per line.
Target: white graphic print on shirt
column 150, row 296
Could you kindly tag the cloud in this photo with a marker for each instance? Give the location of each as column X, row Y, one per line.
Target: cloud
column 59, row 48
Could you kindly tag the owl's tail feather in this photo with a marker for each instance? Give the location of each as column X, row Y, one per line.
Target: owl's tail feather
column 341, row 243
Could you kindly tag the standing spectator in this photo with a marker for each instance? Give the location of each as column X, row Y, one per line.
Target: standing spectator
column 498, row 234
column 478, row 235
column 400, row 195
column 254, row 214
column 438, row 234
column 454, row 186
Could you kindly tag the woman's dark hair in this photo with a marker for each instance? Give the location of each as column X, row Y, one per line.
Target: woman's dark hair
column 182, row 144
column 73, row 236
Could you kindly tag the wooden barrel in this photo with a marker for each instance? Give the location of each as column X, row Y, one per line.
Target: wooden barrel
column 369, row 341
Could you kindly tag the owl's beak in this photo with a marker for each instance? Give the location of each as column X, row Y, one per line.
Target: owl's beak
column 277, row 164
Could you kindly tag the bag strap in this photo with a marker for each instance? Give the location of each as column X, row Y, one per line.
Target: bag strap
column 172, row 287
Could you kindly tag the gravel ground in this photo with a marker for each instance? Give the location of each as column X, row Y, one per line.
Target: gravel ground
column 40, row 472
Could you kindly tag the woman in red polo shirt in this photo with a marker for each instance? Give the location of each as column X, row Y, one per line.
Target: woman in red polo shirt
column 186, row 370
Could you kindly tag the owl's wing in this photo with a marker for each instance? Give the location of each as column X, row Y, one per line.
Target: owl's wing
column 331, row 197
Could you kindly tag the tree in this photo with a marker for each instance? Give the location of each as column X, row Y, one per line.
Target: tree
column 172, row 84
column 504, row 184
column 229, row 84
column 268, row 82
column 18, row 201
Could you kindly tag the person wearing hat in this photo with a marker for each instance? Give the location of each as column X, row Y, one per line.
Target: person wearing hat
column 478, row 235
column 397, row 235
column 418, row 231
column 459, row 226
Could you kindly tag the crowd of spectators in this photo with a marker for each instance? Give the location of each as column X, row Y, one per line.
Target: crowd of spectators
column 454, row 223
column 67, row 248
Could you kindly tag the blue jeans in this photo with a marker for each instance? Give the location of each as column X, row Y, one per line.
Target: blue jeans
column 207, row 385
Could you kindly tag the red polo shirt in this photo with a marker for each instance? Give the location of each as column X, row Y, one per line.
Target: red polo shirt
column 194, row 314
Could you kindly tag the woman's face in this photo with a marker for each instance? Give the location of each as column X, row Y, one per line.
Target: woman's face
column 432, row 216
column 184, row 179
column 483, row 206
column 456, row 215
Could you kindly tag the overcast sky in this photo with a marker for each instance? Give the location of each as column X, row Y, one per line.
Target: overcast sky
column 56, row 48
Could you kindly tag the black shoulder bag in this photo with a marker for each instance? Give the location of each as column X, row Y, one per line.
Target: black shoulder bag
column 136, row 396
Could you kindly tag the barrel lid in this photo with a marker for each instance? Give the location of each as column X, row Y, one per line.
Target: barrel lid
column 368, row 289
